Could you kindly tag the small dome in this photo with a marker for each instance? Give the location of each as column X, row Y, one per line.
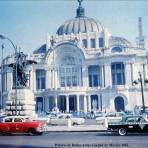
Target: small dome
column 115, row 41
column 42, row 49
column 80, row 24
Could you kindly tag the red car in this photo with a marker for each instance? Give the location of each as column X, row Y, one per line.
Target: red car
column 21, row 124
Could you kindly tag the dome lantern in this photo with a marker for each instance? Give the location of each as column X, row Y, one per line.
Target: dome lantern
column 80, row 10
column 80, row 24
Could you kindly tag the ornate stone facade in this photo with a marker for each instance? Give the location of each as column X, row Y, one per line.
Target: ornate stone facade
column 85, row 68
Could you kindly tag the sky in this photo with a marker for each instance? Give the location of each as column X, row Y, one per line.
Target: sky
column 27, row 22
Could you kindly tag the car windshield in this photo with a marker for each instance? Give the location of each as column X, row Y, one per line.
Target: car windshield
column 135, row 119
column 1, row 119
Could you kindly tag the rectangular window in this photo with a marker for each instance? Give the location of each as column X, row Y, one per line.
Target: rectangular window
column 62, row 70
column 95, row 80
column 90, row 80
column 62, row 81
column 68, row 80
column 101, row 42
column 113, row 79
column 118, row 77
column 70, row 77
column 74, row 81
column 94, row 76
column 84, row 41
column 43, row 83
column 92, row 43
column 68, row 71
column 40, row 79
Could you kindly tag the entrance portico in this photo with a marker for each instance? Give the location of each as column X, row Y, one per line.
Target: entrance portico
column 71, row 103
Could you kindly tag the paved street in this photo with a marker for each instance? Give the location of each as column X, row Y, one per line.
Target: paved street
column 75, row 140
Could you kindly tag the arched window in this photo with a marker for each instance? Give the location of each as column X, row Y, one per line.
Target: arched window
column 119, row 104
column 118, row 73
column 40, row 78
column 92, row 43
column 70, row 73
column 84, row 42
column 101, row 42
column 116, row 49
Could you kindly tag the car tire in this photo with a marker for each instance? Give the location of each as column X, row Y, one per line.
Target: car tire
column 75, row 124
column 122, row 131
column 32, row 132
column 40, row 133
column 1, row 132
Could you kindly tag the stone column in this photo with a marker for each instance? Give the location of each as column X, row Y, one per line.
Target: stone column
column 108, row 77
column 98, row 107
column 102, row 75
column 67, row 103
column 56, row 100
column 85, row 104
column 101, row 105
column 112, row 106
column 55, row 78
column 144, row 72
column 81, row 77
column 88, row 41
column 78, row 103
column 9, row 81
column 52, row 78
column 89, row 103
column 131, row 65
column 85, row 76
column 33, row 79
column 46, row 104
column 97, row 40
column 128, row 73
column 135, row 68
column 48, row 79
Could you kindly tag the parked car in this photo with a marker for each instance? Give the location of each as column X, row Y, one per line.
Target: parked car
column 129, row 113
column 111, row 117
column 43, row 118
column 130, row 124
column 52, row 114
column 21, row 124
column 62, row 119
column 99, row 114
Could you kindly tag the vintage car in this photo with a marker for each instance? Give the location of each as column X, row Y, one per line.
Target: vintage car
column 21, row 124
column 43, row 118
column 62, row 119
column 111, row 117
column 130, row 124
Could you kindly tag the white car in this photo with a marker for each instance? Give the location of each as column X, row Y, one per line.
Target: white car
column 111, row 117
column 40, row 118
column 62, row 119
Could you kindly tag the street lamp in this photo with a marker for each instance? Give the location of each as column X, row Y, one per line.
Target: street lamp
column 1, row 102
column 142, row 93
column 2, row 37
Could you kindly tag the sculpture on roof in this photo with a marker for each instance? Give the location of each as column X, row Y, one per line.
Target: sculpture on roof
column 52, row 41
column 80, row 1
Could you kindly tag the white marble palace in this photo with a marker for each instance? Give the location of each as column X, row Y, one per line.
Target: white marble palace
column 84, row 68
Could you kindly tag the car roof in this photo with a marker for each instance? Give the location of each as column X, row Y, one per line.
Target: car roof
column 16, row 116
